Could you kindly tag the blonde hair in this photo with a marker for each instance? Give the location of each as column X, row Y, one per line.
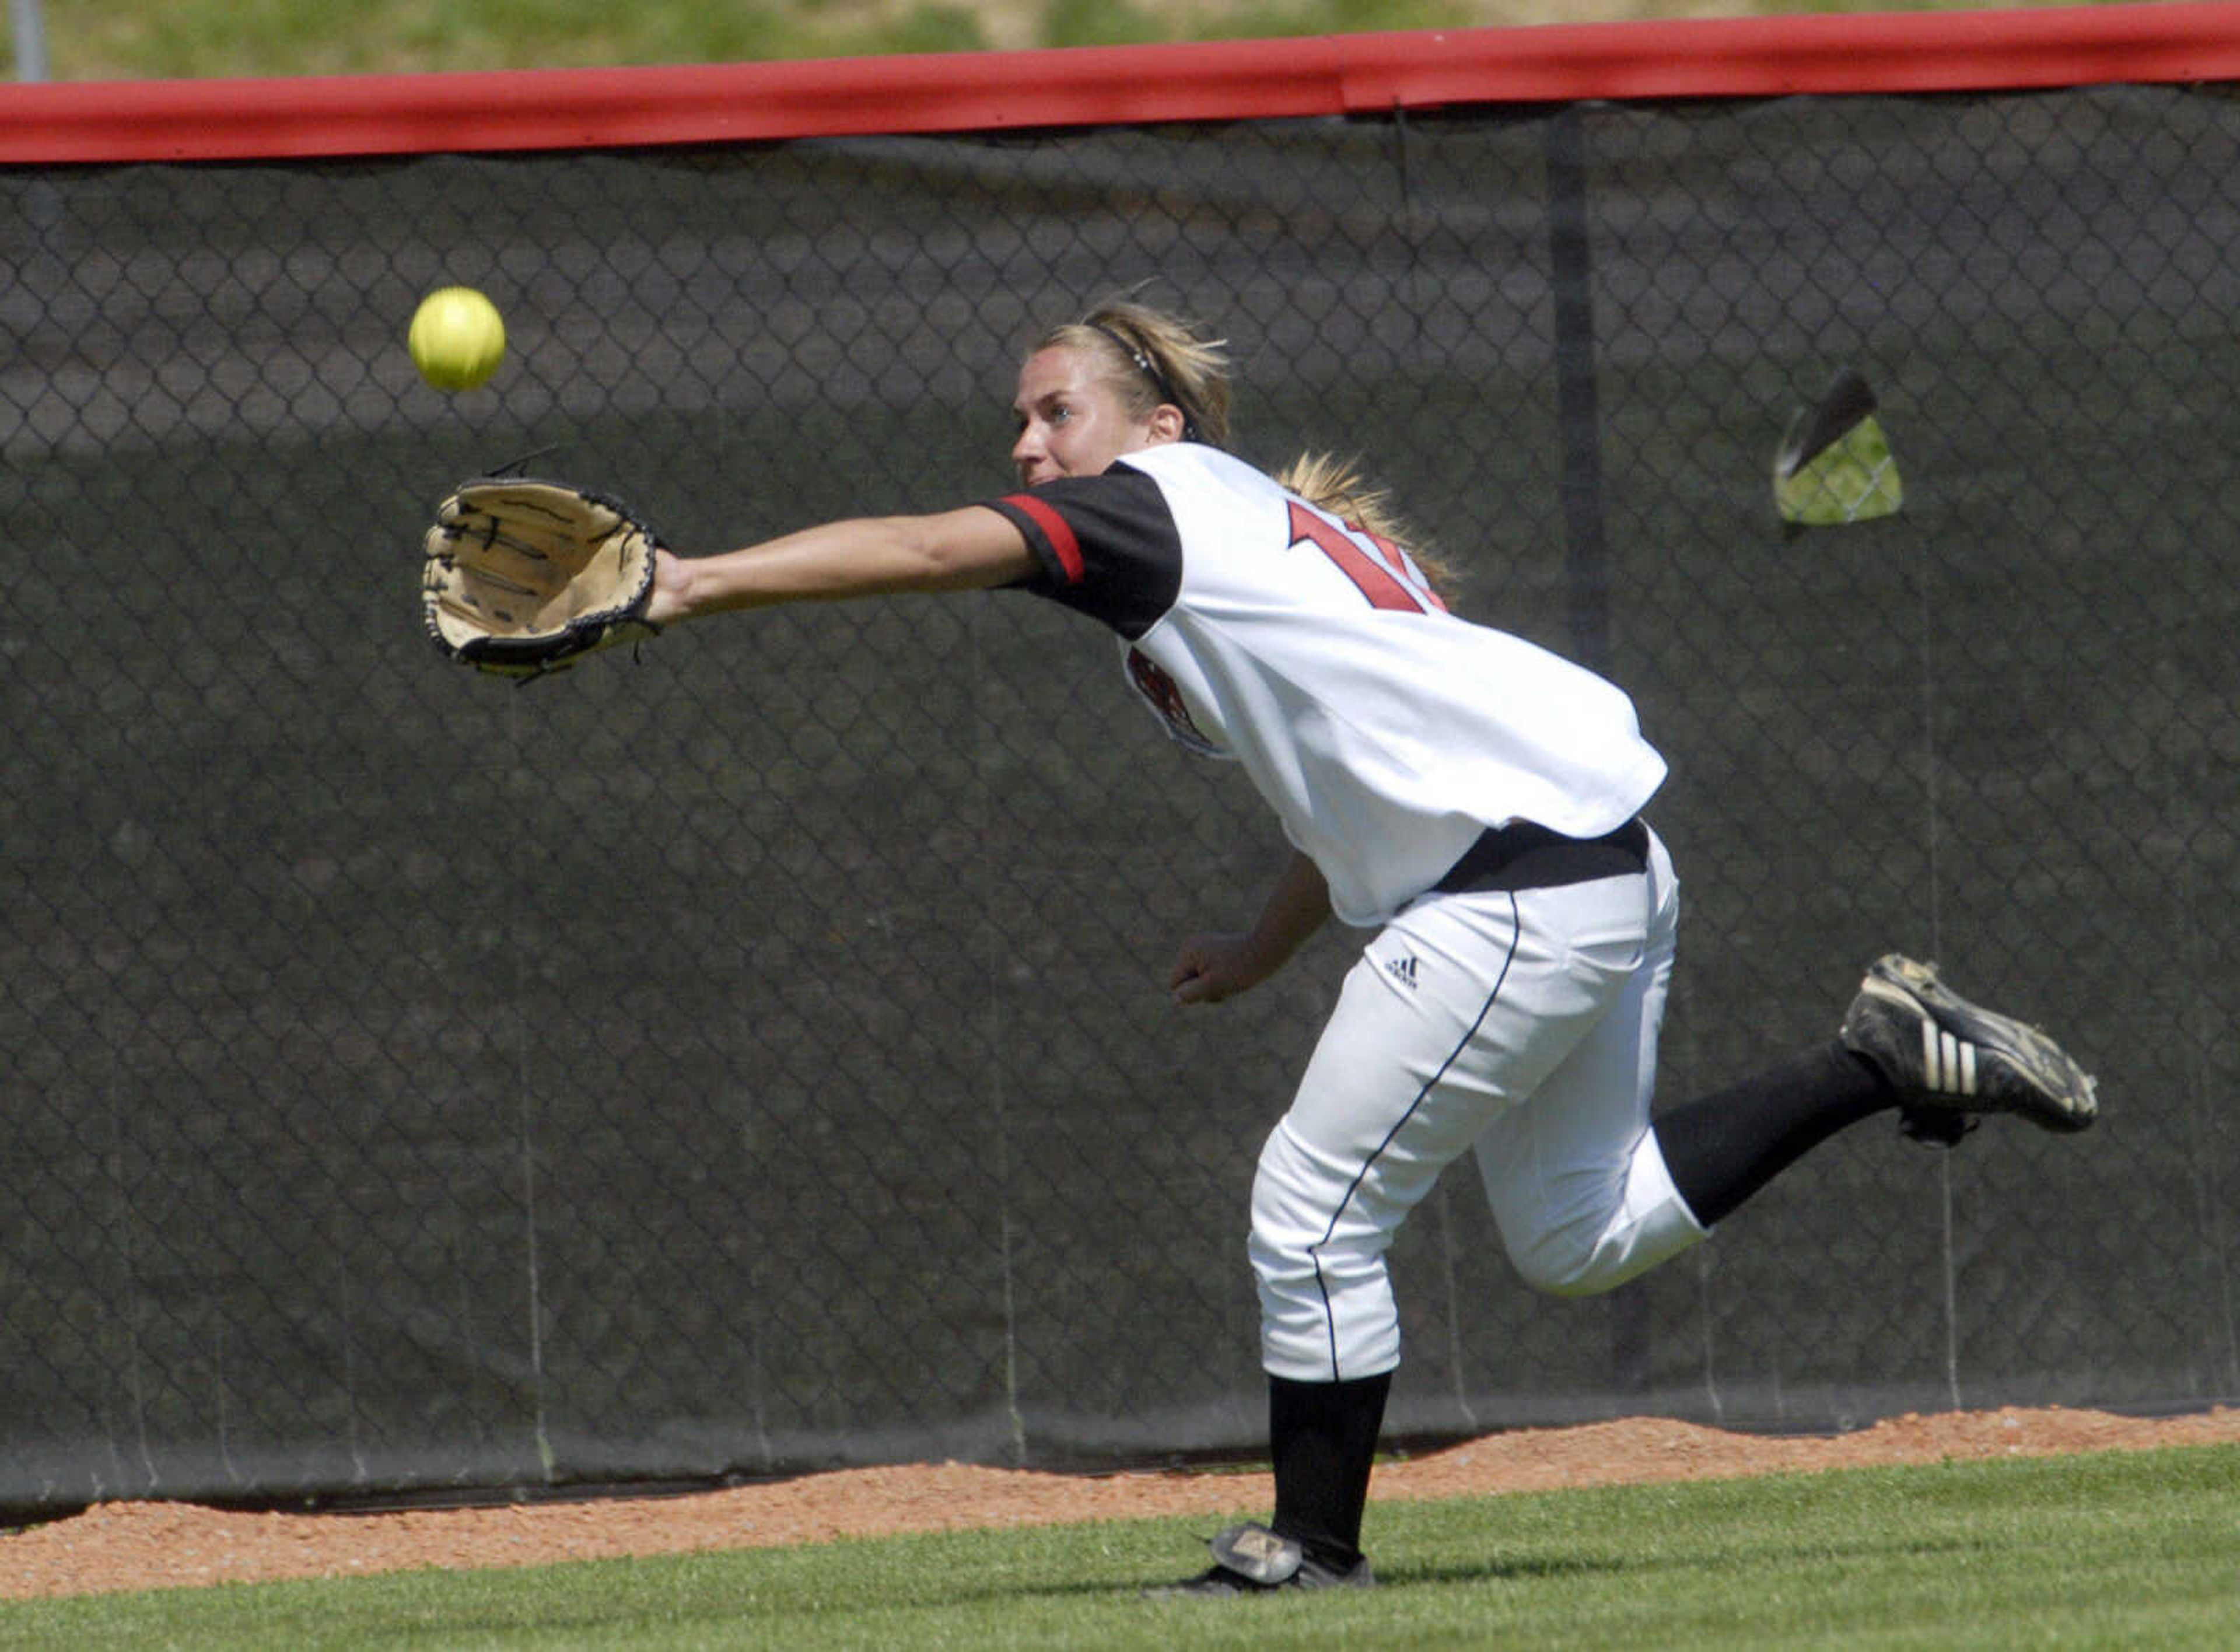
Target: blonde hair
column 1149, row 359
column 1336, row 485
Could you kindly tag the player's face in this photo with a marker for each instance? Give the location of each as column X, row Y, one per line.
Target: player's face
column 1072, row 423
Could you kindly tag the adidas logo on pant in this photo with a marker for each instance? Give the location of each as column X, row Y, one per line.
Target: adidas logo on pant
column 1403, row 969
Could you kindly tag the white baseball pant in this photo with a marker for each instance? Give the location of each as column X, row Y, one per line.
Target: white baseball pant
column 1522, row 1024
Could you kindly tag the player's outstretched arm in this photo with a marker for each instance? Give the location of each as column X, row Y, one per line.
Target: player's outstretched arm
column 969, row 550
column 1209, row 968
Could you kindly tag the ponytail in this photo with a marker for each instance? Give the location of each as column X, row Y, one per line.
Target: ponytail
column 1336, row 485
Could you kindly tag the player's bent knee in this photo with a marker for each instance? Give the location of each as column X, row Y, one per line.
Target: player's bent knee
column 1292, row 1199
column 1584, row 1262
column 1563, row 1274
column 1579, row 1259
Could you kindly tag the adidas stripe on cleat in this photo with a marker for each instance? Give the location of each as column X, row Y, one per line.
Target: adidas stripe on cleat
column 1945, row 1054
column 1948, row 1064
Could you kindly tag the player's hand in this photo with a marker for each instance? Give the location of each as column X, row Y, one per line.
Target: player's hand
column 667, row 603
column 1209, row 968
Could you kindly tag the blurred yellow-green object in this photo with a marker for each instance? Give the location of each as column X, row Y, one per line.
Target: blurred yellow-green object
column 1834, row 465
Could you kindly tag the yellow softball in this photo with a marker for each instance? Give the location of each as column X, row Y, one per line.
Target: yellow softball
column 458, row 339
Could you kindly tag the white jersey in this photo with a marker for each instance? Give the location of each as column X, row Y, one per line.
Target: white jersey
column 1385, row 732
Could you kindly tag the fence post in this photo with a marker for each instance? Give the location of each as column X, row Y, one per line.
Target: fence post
column 30, row 26
column 1586, row 551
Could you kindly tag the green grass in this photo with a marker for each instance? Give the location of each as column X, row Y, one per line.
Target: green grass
column 187, row 39
column 2115, row 1550
column 199, row 39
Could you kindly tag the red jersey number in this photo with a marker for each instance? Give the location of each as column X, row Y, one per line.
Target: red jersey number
column 1377, row 567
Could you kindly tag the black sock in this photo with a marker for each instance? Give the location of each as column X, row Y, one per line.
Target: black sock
column 1323, row 1436
column 1725, row 1148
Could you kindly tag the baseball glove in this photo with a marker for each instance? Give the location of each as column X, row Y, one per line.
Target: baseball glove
column 524, row 577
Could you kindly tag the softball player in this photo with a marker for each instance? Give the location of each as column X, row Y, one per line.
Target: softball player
column 1472, row 798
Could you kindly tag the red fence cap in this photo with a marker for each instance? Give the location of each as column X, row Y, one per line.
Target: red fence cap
column 564, row 109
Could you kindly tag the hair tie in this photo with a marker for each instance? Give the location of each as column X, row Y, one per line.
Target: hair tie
column 1149, row 369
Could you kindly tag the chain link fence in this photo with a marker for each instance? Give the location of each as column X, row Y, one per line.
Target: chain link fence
column 753, row 1058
